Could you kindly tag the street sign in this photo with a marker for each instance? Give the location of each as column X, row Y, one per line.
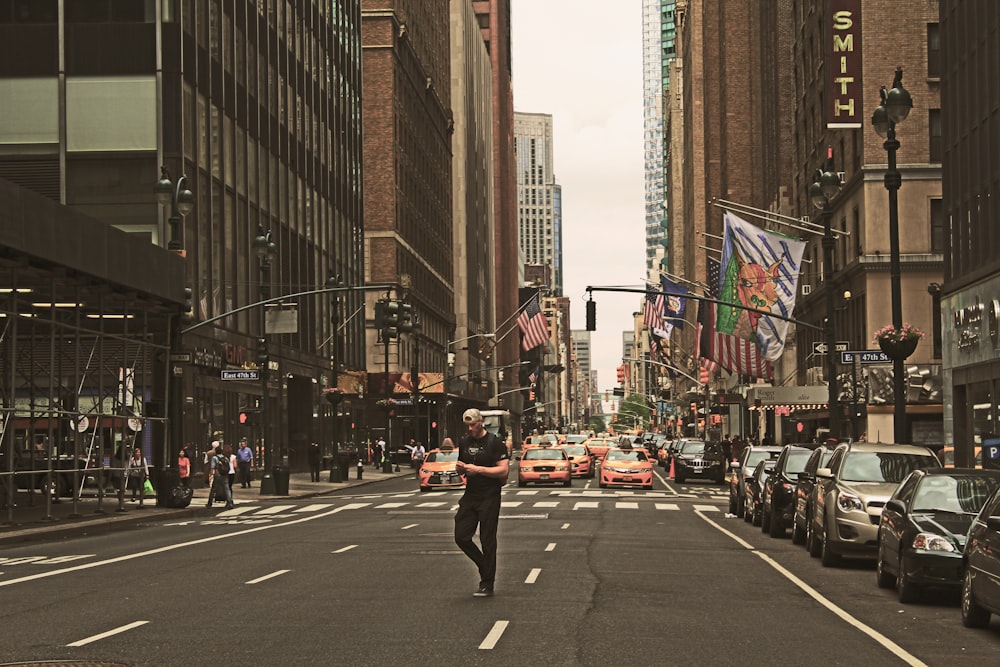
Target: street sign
column 865, row 357
column 180, row 357
column 240, row 375
column 819, row 347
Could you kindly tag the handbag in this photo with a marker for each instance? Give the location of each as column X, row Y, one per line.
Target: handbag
column 147, row 489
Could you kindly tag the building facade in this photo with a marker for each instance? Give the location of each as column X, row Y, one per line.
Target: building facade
column 259, row 105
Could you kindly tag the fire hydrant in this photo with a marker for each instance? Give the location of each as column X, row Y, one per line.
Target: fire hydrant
column 361, row 468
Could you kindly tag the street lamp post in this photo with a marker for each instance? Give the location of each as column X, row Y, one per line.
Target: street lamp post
column 265, row 249
column 895, row 107
column 181, row 202
column 335, row 473
column 823, row 190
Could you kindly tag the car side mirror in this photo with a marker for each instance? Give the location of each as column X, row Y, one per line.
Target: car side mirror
column 825, row 473
column 993, row 523
column 805, row 477
column 769, row 469
column 896, row 506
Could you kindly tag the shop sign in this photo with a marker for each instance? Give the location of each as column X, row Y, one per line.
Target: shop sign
column 842, row 54
column 970, row 321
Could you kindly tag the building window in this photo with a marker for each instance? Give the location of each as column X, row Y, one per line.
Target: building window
column 934, row 140
column 937, row 226
column 933, row 51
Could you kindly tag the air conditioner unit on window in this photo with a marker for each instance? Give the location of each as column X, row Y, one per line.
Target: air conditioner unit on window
column 807, row 290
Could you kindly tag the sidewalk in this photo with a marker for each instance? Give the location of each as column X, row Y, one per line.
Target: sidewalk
column 30, row 521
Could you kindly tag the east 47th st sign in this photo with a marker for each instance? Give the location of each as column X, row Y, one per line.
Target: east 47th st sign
column 865, row 357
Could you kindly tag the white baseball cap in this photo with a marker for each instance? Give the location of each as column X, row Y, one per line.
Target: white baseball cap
column 472, row 415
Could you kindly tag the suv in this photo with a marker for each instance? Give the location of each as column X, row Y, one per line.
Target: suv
column 698, row 458
column 778, row 496
column 849, row 496
column 743, row 470
column 803, row 492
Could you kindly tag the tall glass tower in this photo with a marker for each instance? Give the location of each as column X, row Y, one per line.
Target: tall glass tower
column 658, row 49
column 539, row 198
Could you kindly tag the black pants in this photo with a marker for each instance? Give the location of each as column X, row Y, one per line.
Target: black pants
column 483, row 512
column 314, row 471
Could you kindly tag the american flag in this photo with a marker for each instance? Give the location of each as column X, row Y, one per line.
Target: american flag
column 652, row 311
column 712, row 268
column 533, row 325
column 721, row 350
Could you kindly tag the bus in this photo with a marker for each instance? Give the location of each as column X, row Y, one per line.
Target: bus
column 497, row 422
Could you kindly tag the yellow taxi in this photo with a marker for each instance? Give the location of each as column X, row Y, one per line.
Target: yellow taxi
column 626, row 467
column 439, row 470
column 544, row 465
column 581, row 461
column 600, row 446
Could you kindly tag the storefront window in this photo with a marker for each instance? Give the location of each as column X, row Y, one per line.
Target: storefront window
column 983, row 412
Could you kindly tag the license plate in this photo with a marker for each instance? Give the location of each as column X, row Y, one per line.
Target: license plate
column 544, row 475
column 627, row 478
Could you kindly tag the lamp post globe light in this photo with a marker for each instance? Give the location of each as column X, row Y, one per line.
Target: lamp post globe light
column 895, row 107
column 823, row 190
column 181, row 202
column 265, row 249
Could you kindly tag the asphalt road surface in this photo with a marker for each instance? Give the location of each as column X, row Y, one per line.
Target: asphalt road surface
column 586, row 577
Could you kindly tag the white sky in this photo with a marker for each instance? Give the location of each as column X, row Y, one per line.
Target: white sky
column 581, row 61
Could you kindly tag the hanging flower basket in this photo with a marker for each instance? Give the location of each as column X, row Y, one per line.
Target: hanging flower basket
column 898, row 343
column 333, row 395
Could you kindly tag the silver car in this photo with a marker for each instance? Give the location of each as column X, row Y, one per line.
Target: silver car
column 849, row 496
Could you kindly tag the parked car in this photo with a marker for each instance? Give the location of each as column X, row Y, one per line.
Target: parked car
column 778, row 496
column 743, row 469
column 981, row 566
column 754, row 487
column 850, row 494
column 923, row 528
column 819, row 458
column 700, row 459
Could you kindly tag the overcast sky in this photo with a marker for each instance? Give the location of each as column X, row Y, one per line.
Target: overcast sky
column 581, row 62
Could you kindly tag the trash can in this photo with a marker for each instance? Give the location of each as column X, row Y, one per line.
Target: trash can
column 164, row 480
column 280, row 476
column 344, row 463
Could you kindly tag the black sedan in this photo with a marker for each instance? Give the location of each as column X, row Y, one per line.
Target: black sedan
column 778, row 498
column 754, row 489
column 922, row 532
column 981, row 571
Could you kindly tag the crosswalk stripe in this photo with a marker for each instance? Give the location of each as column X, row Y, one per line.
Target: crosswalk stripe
column 626, row 506
column 705, row 508
column 314, row 508
column 431, row 504
column 586, row 505
column 275, row 509
column 667, row 506
column 546, row 503
column 389, row 506
column 530, row 492
column 239, row 510
column 511, row 503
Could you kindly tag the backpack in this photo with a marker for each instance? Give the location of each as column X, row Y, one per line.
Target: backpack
column 222, row 465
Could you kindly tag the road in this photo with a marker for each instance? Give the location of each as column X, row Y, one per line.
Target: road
column 586, row 577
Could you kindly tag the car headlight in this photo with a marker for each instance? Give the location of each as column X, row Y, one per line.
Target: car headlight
column 562, row 466
column 525, row 468
column 644, row 470
column 849, row 502
column 425, row 471
column 932, row 542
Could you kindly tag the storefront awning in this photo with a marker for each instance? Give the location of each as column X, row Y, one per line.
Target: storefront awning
column 813, row 397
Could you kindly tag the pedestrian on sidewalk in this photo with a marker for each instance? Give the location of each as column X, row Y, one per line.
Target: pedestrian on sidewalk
column 314, row 460
column 137, row 472
column 484, row 460
column 220, row 478
column 232, row 466
column 380, row 451
column 245, row 461
column 184, row 467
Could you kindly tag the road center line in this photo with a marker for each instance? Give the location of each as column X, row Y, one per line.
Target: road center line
column 533, row 575
column 109, row 633
column 277, row 573
column 494, row 635
column 565, row 526
column 180, row 545
column 343, row 549
column 408, row 526
column 887, row 643
column 551, row 546
column 670, row 489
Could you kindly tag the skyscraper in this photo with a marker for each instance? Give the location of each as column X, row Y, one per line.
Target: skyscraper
column 539, row 196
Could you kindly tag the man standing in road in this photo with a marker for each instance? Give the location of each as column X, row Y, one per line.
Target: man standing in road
column 485, row 462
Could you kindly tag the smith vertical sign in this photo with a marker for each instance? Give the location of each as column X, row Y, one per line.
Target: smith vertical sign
column 843, row 64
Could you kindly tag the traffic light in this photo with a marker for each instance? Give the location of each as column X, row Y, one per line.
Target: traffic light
column 261, row 351
column 391, row 328
column 621, row 374
column 246, row 417
column 406, row 321
column 188, row 313
column 379, row 315
column 591, row 315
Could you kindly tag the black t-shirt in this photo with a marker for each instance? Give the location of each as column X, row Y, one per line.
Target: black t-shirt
column 487, row 451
